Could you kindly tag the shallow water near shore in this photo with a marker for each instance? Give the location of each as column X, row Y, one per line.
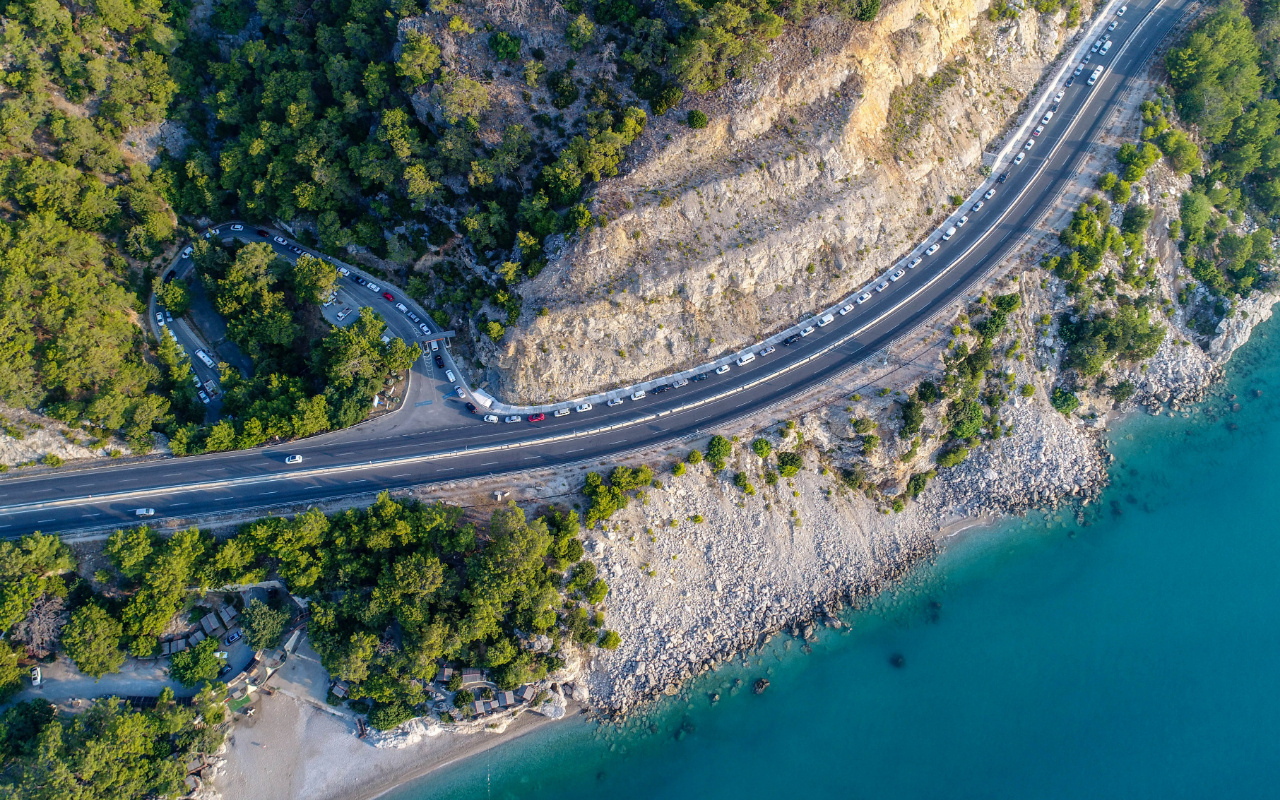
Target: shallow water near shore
column 1133, row 656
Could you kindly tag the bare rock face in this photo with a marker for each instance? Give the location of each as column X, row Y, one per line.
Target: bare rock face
column 811, row 178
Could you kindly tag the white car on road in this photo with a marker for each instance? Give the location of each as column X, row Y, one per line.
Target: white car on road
column 638, row 395
column 490, row 418
column 895, row 276
column 933, row 248
column 915, row 262
column 293, row 459
column 582, row 408
column 616, row 401
column 825, row 320
column 862, row 298
column 846, row 309
column 722, row 369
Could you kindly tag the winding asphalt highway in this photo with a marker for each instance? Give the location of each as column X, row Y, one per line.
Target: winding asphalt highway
column 364, row 459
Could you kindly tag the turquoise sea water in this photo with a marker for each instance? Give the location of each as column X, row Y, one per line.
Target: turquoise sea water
column 1136, row 656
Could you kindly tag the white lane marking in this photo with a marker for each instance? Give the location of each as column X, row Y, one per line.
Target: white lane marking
column 401, row 475
column 489, row 463
column 86, row 516
column 271, row 492
column 175, row 505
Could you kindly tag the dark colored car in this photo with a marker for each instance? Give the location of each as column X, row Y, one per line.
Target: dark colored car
column 539, row 417
column 1071, row 80
column 235, row 637
column 790, row 340
column 701, row 376
column 661, row 389
column 1003, row 175
column 471, row 407
column 263, row 233
column 168, row 276
column 225, row 669
column 439, row 361
column 387, row 295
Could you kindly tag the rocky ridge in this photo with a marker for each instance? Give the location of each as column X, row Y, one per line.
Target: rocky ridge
column 811, row 178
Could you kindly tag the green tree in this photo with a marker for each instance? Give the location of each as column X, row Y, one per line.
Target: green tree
column 263, row 625
column 196, row 664
column 92, row 640
column 789, row 463
column 580, row 32
column 762, row 447
column 313, row 278
column 718, row 451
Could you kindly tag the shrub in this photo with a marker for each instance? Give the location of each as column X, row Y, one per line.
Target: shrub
column 597, row 591
column 1064, row 401
column 917, row 483
column 789, row 463
column 697, row 119
column 610, row 640
column 761, row 447
column 505, row 47
column 1122, row 391
column 389, row 715
column 951, row 458
column 695, row 457
column 853, row 477
column 869, row 444
column 1028, row 390
column 912, row 417
column 678, row 469
column 718, row 451
column 770, row 477
column 740, row 480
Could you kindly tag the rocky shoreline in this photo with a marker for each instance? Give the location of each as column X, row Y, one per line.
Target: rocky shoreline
column 756, row 566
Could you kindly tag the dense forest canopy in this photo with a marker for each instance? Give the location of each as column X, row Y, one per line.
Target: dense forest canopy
column 373, row 125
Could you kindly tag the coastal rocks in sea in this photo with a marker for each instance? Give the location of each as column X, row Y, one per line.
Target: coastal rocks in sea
column 759, row 686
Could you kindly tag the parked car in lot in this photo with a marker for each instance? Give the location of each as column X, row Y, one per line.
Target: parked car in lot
column 583, row 407
column 343, row 313
column 36, row 677
column 439, row 361
column 293, row 459
column 561, row 412
column 160, row 317
column 448, row 374
column 204, row 398
column 722, row 369
column 459, row 391
column 490, row 418
column 435, row 345
column 234, row 637
column 187, row 251
column 471, row 408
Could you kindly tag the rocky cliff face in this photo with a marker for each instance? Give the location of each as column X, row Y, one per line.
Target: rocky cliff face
column 812, row 177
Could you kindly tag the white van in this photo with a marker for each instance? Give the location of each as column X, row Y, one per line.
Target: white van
column 203, row 356
column 949, row 233
column 825, row 320
column 746, row 359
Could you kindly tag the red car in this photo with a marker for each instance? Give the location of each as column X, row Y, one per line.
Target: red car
column 537, row 417
column 387, row 295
